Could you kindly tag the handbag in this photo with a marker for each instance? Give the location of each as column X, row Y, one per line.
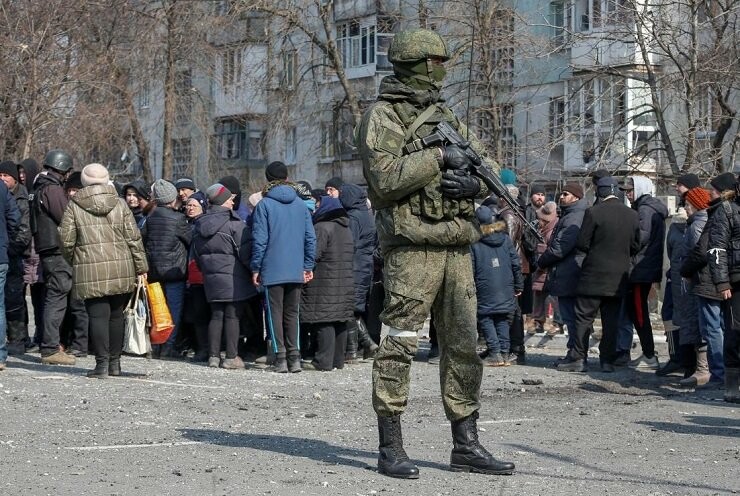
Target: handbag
column 162, row 324
column 136, row 338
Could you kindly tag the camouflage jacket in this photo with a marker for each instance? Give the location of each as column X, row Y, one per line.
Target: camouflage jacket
column 404, row 188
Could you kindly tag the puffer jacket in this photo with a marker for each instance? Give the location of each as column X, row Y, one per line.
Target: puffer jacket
column 723, row 247
column 675, row 248
column 497, row 270
column 354, row 201
column 222, row 246
column 648, row 263
column 695, row 266
column 559, row 258
column 101, row 242
column 20, row 245
column 167, row 237
column 329, row 296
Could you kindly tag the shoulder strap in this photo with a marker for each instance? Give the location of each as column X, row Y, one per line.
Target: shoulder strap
column 421, row 119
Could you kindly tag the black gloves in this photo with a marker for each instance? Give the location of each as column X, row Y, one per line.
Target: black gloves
column 454, row 158
column 459, row 184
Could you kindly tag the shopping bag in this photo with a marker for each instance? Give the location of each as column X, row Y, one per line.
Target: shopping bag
column 162, row 325
column 136, row 338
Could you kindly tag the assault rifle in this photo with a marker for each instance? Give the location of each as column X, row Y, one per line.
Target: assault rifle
column 445, row 134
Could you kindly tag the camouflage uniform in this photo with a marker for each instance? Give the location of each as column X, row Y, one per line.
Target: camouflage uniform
column 425, row 238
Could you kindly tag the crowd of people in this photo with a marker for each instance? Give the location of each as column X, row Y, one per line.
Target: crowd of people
column 292, row 276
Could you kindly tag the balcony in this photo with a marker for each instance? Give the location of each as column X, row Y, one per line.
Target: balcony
column 592, row 50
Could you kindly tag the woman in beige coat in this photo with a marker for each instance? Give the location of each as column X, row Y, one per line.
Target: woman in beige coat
column 102, row 243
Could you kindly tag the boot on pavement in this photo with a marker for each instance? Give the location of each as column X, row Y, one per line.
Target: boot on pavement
column 673, row 366
column 114, row 366
column 701, row 376
column 392, row 459
column 364, row 340
column 350, row 356
column 732, row 385
column 467, row 453
column 58, row 358
column 101, row 369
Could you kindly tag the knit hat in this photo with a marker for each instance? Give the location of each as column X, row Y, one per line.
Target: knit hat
column 724, row 182
column 163, row 192
column 698, row 197
column 94, row 174
column 185, row 182
column 535, row 189
column 10, row 168
column 334, row 182
column 484, row 215
column 74, row 181
column 507, row 176
column 598, row 174
column 139, row 187
column 218, row 194
column 548, row 212
column 574, row 189
column 689, row 180
column 276, row 171
column 231, row 183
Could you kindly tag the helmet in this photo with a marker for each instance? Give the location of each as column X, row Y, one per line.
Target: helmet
column 417, row 44
column 58, row 160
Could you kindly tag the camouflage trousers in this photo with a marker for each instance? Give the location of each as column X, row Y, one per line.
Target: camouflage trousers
column 420, row 280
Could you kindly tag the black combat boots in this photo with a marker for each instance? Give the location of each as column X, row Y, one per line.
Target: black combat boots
column 393, row 460
column 101, row 369
column 468, row 455
column 364, row 340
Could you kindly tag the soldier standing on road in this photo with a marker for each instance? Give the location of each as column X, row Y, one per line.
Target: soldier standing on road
column 426, row 224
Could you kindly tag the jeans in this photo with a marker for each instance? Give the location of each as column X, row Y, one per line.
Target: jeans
column 174, row 293
column 567, row 307
column 495, row 328
column 3, row 322
column 625, row 334
column 712, row 328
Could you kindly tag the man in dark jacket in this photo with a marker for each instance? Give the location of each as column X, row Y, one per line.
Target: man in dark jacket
column 362, row 225
column 609, row 237
column 9, row 228
column 47, row 210
column 15, row 300
column 559, row 258
column 167, row 236
column 723, row 257
column 282, row 261
column 647, row 265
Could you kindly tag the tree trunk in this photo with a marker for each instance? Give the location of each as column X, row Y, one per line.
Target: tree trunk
column 169, row 93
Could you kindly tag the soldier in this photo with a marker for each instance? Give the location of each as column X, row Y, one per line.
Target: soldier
column 426, row 224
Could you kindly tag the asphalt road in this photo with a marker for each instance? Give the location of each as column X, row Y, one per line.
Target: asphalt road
column 171, row 427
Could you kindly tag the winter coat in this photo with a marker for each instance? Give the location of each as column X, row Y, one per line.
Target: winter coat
column 101, row 242
column 47, row 210
column 675, row 248
column 497, row 271
column 167, row 237
column 609, row 238
column 685, row 303
column 559, row 258
column 695, row 265
column 540, row 276
column 20, row 245
column 362, row 225
column 32, row 272
column 222, row 246
column 10, row 222
column 284, row 242
column 648, row 263
column 329, row 296
column 723, row 248
column 516, row 233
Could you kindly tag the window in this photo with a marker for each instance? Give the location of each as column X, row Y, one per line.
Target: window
column 181, row 156
column 386, row 28
column 506, row 146
column 356, row 44
column 327, row 140
column 557, row 23
column 707, row 113
column 231, row 61
column 557, row 118
column 183, row 90
column 503, row 54
column 291, row 145
column 288, row 80
column 144, row 95
column 239, row 139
